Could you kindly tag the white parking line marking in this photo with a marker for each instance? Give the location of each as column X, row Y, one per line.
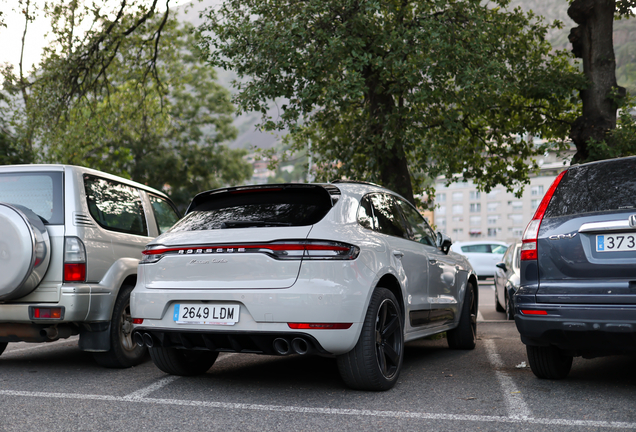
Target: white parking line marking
column 517, row 407
column 40, row 345
column 142, row 393
column 327, row 411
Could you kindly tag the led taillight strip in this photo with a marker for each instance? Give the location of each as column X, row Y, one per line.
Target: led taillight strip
column 246, row 247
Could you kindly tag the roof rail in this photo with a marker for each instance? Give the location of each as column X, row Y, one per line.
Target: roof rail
column 356, row 182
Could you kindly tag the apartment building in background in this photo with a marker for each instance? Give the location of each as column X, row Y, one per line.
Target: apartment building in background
column 465, row 214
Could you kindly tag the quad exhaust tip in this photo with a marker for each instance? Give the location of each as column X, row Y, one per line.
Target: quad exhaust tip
column 300, row 346
column 138, row 339
column 281, row 346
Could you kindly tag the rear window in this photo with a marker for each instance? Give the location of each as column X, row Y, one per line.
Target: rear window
column 267, row 207
column 606, row 186
column 41, row 192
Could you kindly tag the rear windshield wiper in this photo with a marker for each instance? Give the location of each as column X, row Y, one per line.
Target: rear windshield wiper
column 246, row 224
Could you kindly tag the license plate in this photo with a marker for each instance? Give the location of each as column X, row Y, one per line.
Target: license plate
column 616, row 243
column 197, row 313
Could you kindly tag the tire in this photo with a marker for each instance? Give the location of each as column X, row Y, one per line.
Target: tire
column 376, row 360
column 464, row 336
column 510, row 308
column 548, row 362
column 182, row 362
column 123, row 351
column 498, row 306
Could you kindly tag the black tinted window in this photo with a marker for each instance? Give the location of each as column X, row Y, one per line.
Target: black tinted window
column 419, row 229
column 387, row 216
column 115, row 206
column 42, row 193
column 606, row 186
column 365, row 214
column 258, row 208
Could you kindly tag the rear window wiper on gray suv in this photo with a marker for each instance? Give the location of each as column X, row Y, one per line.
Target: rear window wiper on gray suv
column 248, row 223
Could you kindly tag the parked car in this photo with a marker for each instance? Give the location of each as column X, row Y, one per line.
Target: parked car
column 482, row 255
column 70, row 242
column 507, row 280
column 349, row 270
column 578, row 268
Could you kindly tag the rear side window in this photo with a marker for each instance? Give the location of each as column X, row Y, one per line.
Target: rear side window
column 387, row 217
column 115, row 206
column 42, row 193
column 365, row 214
column 606, row 186
column 165, row 213
column 259, row 207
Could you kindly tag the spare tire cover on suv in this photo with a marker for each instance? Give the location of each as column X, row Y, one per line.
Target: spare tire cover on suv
column 25, row 251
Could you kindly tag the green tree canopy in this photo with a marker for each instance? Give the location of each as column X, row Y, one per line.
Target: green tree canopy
column 394, row 91
column 157, row 114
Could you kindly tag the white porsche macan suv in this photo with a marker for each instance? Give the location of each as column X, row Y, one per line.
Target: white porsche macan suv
column 343, row 269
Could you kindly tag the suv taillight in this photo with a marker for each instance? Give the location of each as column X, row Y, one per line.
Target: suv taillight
column 531, row 234
column 74, row 260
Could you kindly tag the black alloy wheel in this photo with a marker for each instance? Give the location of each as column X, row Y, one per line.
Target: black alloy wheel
column 388, row 339
column 376, row 360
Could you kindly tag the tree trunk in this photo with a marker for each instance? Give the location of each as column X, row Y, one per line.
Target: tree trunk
column 393, row 165
column 592, row 41
column 395, row 174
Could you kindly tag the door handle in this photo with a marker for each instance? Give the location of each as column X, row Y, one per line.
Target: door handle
column 432, row 261
column 398, row 254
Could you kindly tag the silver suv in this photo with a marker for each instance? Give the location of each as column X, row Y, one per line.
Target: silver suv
column 70, row 242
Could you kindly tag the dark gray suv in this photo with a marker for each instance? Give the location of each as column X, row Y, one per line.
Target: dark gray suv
column 578, row 269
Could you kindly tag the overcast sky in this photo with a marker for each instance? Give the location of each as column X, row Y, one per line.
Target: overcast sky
column 11, row 35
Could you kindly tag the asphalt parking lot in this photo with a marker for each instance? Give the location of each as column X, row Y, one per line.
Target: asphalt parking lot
column 56, row 387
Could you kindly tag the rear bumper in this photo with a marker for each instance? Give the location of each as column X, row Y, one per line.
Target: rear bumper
column 270, row 343
column 266, row 311
column 587, row 330
column 75, row 300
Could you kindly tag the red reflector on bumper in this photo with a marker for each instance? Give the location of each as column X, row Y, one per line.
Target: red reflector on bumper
column 47, row 313
column 137, row 320
column 74, row 272
column 319, row 326
column 533, row 312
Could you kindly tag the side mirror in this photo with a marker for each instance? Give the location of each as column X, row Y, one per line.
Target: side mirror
column 502, row 266
column 444, row 242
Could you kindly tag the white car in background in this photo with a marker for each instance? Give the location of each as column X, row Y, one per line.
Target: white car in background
column 347, row 269
column 482, row 255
